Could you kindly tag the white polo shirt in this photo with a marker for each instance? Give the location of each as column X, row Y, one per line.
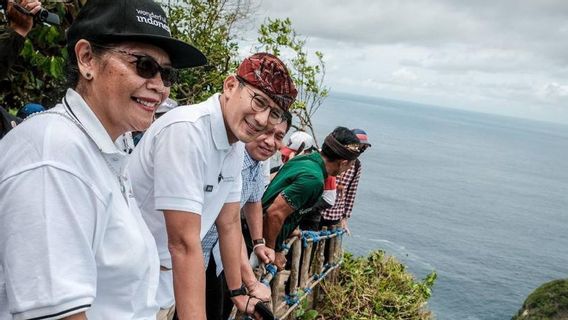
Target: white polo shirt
column 184, row 162
column 71, row 236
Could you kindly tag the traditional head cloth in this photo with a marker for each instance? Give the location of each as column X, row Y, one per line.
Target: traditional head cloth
column 269, row 74
column 346, row 152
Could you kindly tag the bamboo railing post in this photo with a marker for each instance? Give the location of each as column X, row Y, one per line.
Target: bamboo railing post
column 317, row 266
column 295, row 266
column 306, row 262
column 317, row 263
column 331, row 251
column 278, row 291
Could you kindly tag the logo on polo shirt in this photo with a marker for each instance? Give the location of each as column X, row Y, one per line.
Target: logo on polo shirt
column 152, row 19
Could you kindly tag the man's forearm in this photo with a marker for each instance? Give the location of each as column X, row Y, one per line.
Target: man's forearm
column 253, row 215
column 230, row 243
column 184, row 245
column 275, row 216
column 247, row 274
column 189, row 283
column 271, row 228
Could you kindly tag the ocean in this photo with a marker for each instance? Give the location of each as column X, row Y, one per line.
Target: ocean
column 481, row 199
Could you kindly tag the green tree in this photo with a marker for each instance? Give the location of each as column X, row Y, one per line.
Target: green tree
column 211, row 26
column 277, row 36
column 38, row 74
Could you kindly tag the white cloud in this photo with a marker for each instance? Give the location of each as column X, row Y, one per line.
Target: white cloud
column 553, row 92
column 404, row 75
column 502, row 56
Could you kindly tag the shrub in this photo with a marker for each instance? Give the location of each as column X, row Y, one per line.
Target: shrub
column 376, row 287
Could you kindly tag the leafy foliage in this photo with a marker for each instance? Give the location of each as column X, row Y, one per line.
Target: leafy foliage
column 376, row 287
column 302, row 311
column 209, row 25
column 38, row 74
column 277, row 36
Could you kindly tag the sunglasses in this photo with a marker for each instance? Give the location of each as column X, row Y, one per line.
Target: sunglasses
column 147, row 67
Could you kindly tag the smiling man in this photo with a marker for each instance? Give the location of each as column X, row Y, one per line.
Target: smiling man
column 186, row 174
column 262, row 148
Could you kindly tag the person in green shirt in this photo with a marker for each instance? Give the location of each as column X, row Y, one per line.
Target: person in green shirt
column 299, row 184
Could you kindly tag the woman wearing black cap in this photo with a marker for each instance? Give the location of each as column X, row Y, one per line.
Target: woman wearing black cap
column 72, row 242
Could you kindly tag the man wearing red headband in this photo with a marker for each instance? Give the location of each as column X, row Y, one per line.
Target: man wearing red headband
column 186, row 174
column 347, row 184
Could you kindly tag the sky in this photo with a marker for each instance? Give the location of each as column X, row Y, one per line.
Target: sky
column 507, row 57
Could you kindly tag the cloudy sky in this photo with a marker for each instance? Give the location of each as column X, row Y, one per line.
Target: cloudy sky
column 498, row 56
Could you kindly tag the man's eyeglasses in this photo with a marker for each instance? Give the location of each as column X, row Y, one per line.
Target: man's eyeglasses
column 147, row 67
column 258, row 104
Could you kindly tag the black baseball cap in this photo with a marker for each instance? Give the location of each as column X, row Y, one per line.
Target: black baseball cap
column 106, row 21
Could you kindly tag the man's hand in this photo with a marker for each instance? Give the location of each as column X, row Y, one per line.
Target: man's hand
column 260, row 291
column 344, row 225
column 296, row 233
column 280, row 260
column 22, row 23
column 264, row 253
column 246, row 304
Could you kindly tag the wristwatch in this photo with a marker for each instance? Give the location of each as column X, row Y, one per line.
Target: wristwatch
column 258, row 241
column 242, row 291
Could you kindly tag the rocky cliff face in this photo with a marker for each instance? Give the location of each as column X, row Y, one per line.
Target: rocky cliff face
column 549, row 301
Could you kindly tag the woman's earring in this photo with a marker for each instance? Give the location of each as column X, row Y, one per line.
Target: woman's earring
column 88, row 76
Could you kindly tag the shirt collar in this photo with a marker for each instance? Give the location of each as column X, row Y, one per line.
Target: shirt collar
column 316, row 156
column 78, row 108
column 249, row 162
column 218, row 129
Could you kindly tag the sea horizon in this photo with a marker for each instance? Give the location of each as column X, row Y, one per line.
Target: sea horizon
column 365, row 98
column 479, row 198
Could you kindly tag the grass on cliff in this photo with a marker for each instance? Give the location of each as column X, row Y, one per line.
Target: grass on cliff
column 547, row 302
column 376, row 287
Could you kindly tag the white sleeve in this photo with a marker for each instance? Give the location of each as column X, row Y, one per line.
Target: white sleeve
column 329, row 196
column 48, row 219
column 236, row 189
column 179, row 168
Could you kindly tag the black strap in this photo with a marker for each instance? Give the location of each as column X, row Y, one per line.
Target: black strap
column 62, row 312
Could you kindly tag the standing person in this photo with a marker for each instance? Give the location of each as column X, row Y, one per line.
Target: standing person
column 299, row 184
column 262, row 148
column 299, row 142
column 347, row 184
column 79, row 248
column 186, row 173
column 12, row 38
column 7, row 122
column 11, row 43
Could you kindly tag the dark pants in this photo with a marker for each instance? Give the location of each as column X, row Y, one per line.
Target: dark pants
column 218, row 305
column 328, row 223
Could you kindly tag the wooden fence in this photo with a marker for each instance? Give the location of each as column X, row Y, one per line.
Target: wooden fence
column 310, row 264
